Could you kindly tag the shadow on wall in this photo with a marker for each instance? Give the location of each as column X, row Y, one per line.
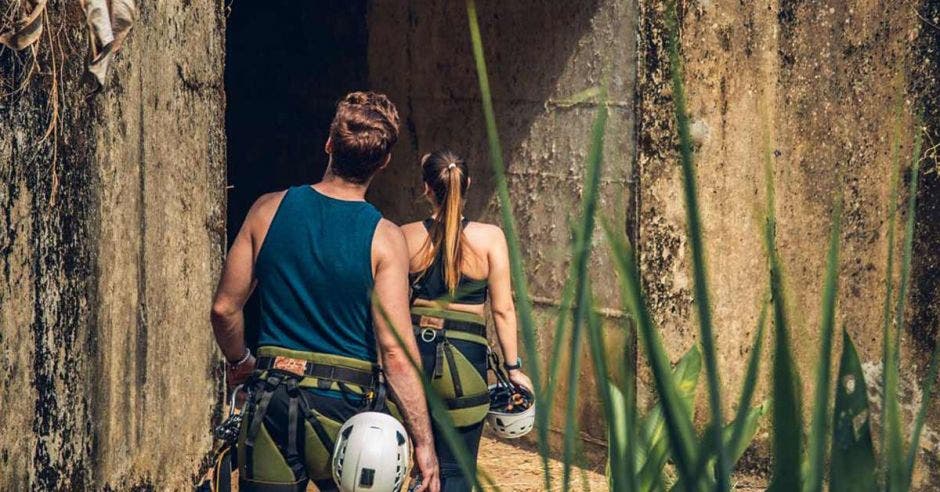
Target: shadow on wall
column 420, row 53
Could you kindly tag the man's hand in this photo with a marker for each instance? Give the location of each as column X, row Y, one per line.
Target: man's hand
column 426, row 461
column 238, row 374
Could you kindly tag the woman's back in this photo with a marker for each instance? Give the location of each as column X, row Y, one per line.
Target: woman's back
column 478, row 241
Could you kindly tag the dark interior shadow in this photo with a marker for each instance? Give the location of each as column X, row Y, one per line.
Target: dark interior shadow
column 287, row 63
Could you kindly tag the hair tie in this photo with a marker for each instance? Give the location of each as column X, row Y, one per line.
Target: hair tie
column 452, row 165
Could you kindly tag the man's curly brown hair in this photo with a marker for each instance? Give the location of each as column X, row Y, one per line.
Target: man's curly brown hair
column 363, row 133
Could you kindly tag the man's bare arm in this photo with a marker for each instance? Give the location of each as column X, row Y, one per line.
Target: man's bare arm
column 237, row 282
column 228, row 321
column 390, row 254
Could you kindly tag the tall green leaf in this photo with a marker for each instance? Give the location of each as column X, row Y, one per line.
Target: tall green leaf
column 697, row 247
column 889, row 374
column 897, row 469
column 582, row 252
column 787, row 419
column 750, row 382
column 819, row 427
column 619, row 478
column 678, row 424
column 520, row 284
column 852, row 465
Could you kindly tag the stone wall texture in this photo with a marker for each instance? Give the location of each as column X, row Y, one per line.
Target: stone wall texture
column 112, row 224
column 113, row 230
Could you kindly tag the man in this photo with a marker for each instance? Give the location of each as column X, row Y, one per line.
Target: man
column 317, row 255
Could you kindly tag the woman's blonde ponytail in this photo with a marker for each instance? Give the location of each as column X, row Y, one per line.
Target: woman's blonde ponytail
column 452, row 212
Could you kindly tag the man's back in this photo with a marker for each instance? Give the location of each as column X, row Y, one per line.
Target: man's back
column 314, row 273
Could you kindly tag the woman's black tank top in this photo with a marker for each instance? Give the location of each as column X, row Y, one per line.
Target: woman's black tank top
column 430, row 284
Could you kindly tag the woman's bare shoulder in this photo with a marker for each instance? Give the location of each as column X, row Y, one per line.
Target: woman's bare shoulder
column 481, row 232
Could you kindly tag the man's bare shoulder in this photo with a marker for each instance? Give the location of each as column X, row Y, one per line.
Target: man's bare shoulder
column 262, row 212
column 388, row 239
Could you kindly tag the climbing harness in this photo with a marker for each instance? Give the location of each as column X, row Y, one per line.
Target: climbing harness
column 454, row 378
column 512, row 407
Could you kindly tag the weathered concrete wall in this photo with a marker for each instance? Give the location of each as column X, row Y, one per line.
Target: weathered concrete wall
column 539, row 54
column 817, row 80
column 113, row 228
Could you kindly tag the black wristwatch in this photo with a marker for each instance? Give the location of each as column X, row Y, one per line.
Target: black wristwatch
column 513, row 367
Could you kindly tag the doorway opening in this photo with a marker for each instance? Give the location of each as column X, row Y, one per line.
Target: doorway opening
column 287, row 63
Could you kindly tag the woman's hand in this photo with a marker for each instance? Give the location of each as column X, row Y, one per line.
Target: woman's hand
column 519, row 378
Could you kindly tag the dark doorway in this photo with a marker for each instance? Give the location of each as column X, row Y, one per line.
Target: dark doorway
column 287, row 63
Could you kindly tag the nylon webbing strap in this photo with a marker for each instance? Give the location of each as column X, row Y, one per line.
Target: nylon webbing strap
column 439, row 361
column 327, row 372
column 452, row 363
column 310, row 415
column 468, row 401
column 451, row 325
column 260, row 409
column 292, row 392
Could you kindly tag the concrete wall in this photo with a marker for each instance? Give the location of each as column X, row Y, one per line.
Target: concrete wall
column 540, row 54
column 113, row 227
column 814, row 80
column 818, row 82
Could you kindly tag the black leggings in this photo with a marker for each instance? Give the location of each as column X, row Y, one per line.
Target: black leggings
column 452, row 477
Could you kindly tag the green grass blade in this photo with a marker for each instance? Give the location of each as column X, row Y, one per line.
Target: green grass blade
column 619, row 477
column 750, row 383
column 819, row 426
column 852, row 465
column 678, row 424
column 520, row 284
column 787, row 419
column 581, row 254
column 889, row 376
column 896, row 463
column 438, row 410
column 697, row 247
column 749, row 423
column 543, row 417
column 927, row 392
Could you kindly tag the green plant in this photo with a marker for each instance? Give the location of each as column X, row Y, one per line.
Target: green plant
column 641, row 449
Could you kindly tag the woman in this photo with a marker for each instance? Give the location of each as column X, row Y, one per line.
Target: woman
column 455, row 266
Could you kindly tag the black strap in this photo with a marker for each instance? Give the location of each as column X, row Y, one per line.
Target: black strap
column 439, row 360
column 222, row 473
column 260, row 408
column 452, row 363
column 328, row 372
column 294, row 395
column 311, row 416
column 468, row 401
column 452, row 325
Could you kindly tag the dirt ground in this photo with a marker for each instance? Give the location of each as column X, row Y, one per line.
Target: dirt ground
column 516, row 469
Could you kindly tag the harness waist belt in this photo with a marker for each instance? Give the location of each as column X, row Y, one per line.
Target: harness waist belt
column 436, row 323
column 301, row 367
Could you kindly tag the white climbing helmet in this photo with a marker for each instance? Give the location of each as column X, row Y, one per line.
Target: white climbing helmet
column 372, row 453
column 512, row 411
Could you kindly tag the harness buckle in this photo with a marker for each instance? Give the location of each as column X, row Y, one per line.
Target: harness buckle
column 428, row 335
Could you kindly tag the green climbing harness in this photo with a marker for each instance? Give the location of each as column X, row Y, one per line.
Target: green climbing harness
column 453, row 376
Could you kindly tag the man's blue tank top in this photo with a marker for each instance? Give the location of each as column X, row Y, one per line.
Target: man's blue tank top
column 314, row 273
